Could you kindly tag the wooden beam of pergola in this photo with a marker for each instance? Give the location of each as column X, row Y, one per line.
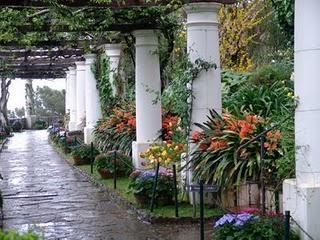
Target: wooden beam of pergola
column 39, row 74
column 90, row 3
column 39, row 67
column 44, row 61
column 125, row 28
column 49, row 44
column 80, row 3
column 40, row 53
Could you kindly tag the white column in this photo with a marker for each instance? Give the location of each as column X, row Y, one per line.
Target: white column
column 148, row 89
column 30, row 113
column 81, row 97
column 93, row 108
column 203, row 43
column 67, row 92
column 73, row 99
column 113, row 51
column 302, row 195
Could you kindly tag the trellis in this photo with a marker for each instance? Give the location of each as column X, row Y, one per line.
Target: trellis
column 51, row 58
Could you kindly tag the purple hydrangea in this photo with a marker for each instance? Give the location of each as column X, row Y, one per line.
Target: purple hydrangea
column 237, row 219
column 147, row 174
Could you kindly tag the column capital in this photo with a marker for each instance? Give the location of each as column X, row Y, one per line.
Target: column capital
column 72, row 70
column 202, row 13
column 147, row 37
column 113, row 50
column 90, row 58
column 80, row 66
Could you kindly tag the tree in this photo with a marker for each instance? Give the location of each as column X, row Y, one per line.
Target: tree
column 49, row 102
column 20, row 112
column 238, row 32
column 4, row 97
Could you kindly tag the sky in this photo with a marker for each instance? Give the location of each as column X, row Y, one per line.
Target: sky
column 17, row 90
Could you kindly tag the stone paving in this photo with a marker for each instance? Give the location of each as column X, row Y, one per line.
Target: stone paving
column 42, row 192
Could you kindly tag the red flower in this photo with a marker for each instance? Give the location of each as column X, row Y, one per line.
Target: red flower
column 196, row 136
column 203, row 146
column 132, row 122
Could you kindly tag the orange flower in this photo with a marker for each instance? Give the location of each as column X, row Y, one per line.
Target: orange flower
column 277, row 135
column 253, row 119
column 120, row 127
column 246, row 128
column 203, row 146
column 217, row 144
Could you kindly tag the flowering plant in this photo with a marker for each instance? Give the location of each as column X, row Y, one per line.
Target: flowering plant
column 215, row 158
column 117, row 131
column 163, row 153
column 246, row 226
column 141, row 184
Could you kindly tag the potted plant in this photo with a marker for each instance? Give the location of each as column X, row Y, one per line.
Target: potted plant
column 82, row 154
column 104, row 164
column 141, row 185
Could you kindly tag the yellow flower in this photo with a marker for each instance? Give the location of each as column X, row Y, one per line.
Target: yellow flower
column 164, row 153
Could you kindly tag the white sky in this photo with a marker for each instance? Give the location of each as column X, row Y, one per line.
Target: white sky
column 17, row 90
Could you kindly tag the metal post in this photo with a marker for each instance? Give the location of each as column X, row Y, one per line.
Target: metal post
column 276, row 196
column 287, row 225
column 155, row 183
column 175, row 190
column 115, row 169
column 65, row 142
column 92, row 157
column 201, row 212
column 262, row 183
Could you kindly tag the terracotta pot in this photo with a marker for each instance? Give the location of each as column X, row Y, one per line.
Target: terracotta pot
column 105, row 173
column 81, row 161
column 160, row 200
column 142, row 199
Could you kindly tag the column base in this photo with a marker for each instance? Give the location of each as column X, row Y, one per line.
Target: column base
column 72, row 126
column 88, row 134
column 303, row 203
column 137, row 148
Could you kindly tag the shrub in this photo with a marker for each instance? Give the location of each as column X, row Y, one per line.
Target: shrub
column 106, row 161
column 16, row 126
column 14, row 235
column 83, row 151
column 39, row 124
column 269, row 74
column 141, row 184
column 245, row 226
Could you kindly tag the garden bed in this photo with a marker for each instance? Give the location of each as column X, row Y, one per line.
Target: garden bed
column 161, row 214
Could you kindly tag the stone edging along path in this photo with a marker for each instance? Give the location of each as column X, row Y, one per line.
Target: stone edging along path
column 141, row 214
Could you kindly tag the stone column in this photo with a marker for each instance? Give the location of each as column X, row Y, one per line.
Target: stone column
column 30, row 113
column 73, row 99
column 81, row 97
column 113, row 51
column 302, row 195
column 148, row 90
column 93, row 108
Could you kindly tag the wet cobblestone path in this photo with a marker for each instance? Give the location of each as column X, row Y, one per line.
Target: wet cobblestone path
column 41, row 191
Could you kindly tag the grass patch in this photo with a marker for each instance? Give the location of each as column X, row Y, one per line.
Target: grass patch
column 185, row 209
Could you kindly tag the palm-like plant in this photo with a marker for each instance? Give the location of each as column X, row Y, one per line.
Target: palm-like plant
column 216, row 160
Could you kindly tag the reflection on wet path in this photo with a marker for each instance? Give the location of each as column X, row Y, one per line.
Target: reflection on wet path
column 43, row 192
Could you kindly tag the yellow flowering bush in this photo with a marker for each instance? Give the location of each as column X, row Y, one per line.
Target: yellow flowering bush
column 164, row 153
